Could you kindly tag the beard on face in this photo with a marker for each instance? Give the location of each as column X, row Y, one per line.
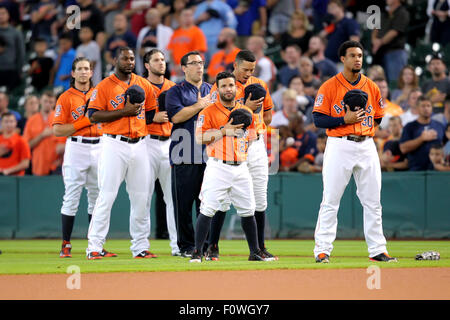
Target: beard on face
column 356, row 70
column 221, row 44
column 157, row 73
column 225, row 99
column 124, row 69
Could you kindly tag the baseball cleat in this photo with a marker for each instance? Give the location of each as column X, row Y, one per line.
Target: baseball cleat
column 176, row 254
column 212, row 254
column 108, row 254
column 196, row 257
column 66, row 249
column 257, row 256
column 323, row 258
column 187, row 253
column 145, row 255
column 268, row 255
column 383, row 257
column 94, row 256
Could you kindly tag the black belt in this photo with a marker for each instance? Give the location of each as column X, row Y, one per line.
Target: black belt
column 90, row 141
column 231, row 163
column 125, row 139
column 355, row 138
column 160, row 138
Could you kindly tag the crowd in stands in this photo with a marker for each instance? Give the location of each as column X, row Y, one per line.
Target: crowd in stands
column 295, row 43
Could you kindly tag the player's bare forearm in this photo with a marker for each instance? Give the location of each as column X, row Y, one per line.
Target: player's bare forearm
column 106, row 116
column 411, row 145
column 23, row 165
column 267, row 117
column 186, row 113
column 209, row 136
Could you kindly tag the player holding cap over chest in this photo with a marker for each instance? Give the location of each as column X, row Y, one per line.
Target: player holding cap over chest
column 349, row 106
column 227, row 177
column 254, row 93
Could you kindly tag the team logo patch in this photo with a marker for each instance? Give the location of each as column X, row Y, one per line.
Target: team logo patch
column 214, row 96
column 93, row 95
column 58, row 110
column 200, row 121
column 319, row 100
column 381, row 103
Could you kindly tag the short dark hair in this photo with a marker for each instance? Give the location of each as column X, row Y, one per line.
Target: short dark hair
column 48, row 93
column 437, row 146
column 122, row 49
column 349, row 44
column 8, row 114
column 224, row 75
column 245, row 55
column 424, row 98
column 146, row 59
column 66, row 36
column 74, row 66
column 294, row 77
column 185, row 58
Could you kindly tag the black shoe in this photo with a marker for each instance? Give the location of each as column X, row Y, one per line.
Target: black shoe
column 212, row 254
column 268, row 255
column 383, row 257
column 145, row 255
column 322, row 258
column 187, row 253
column 196, row 257
column 257, row 256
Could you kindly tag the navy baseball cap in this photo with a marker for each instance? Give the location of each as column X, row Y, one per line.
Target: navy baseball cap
column 136, row 94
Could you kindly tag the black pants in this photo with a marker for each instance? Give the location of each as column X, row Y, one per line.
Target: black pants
column 186, row 184
column 160, row 213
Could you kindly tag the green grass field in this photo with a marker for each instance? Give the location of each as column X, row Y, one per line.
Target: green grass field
column 42, row 256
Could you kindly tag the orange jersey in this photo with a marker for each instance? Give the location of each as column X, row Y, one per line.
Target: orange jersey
column 43, row 156
column 329, row 101
column 161, row 129
column 70, row 107
column 228, row 148
column 220, row 60
column 17, row 151
column 186, row 40
column 258, row 126
column 109, row 95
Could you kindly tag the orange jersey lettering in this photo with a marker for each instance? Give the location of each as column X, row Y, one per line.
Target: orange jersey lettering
column 70, row 107
column 109, row 95
column 329, row 101
column 161, row 129
column 228, row 148
column 258, row 126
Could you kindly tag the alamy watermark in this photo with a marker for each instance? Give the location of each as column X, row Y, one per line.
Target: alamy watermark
column 73, row 282
column 374, row 280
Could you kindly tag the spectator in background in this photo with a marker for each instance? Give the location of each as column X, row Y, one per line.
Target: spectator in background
column 91, row 16
column 376, row 72
column 439, row 86
column 309, row 166
column 444, row 117
column 280, row 14
column 265, row 68
column 135, row 11
column 40, row 65
column 31, row 107
column 388, row 42
column 339, row 29
column 12, row 52
column 62, row 69
column 303, row 100
column 390, row 109
column 319, row 8
column 14, row 150
column 90, row 50
column 251, row 17
column 437, row 158
column 121, row 37
column 289, row 107
column 46, row 149
column 391, row 158
column 447, row 143
column 4, row 107
column 407, row 81
column 212, row 16
column 438, row 11
column 109, row 9
column 310, row 82
column 43, row 15
column 411, row 112
column 223, row 59
column 297, row 32
column 316, row 51
column 419, row 135
column 172, row 20
column 188, row 37
column 291, row 56
column 153, row 35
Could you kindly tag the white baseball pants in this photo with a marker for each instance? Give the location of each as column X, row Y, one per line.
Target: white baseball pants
column 79, row 170
column 158, row 157
column 342, row 158
column 258, row 165
column 122, row 161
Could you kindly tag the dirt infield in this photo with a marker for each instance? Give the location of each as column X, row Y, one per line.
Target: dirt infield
column 403, row 284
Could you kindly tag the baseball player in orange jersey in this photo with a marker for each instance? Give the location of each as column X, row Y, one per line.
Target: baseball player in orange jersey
column 123, row 154
column 258, row 163
column 80, row 163
column 350, row 150
column 227, row 176
column 158, row 140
